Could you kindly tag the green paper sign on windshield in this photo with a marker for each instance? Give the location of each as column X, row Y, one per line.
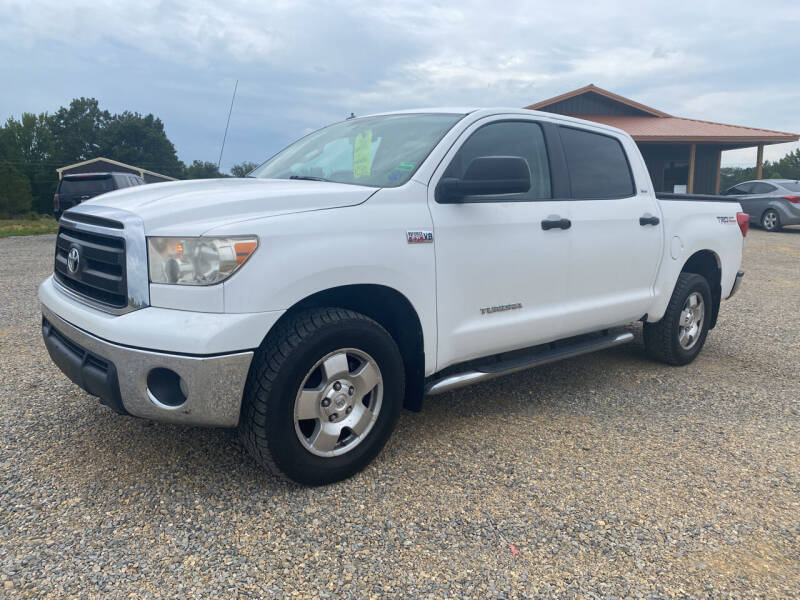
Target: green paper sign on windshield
column 362, row 155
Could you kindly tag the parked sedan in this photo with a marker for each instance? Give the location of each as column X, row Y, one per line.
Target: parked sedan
column 771, row 203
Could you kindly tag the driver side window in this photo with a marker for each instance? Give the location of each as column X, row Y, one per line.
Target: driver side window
column 523, row 139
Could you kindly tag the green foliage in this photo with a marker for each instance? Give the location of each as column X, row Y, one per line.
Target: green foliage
column 787, row 167
column 29, row 145
column 77, row 130
column 201, row 169
column 15, row 192
column 139, row 140
column 36, row 145
column 243, row 169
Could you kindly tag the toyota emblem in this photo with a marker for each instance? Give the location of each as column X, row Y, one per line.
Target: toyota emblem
column 73, row 260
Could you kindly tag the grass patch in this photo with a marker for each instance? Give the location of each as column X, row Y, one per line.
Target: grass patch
column 9, row 227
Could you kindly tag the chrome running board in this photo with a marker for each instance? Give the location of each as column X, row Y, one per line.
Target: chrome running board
column 538, row 355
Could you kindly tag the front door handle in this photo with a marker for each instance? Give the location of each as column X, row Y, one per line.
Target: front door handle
column 649, row 220
column 556, row 223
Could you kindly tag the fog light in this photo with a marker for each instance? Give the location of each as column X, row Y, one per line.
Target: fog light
column 166, row 388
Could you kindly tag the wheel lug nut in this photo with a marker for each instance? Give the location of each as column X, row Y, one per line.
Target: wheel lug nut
column 337, row 386
column 333, row 417
column 326, row 402
column 349, row 409
column 351, row 390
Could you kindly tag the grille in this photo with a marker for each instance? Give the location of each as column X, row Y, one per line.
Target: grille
column 100, row 275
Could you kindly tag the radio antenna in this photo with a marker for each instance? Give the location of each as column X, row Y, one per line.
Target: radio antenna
column 224, row 137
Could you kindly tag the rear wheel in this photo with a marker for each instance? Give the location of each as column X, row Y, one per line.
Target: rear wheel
column 771, row 220
column 322, row 396
column 680, row 334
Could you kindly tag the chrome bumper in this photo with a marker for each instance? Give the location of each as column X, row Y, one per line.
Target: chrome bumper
column 212, row 385
column 736, row 283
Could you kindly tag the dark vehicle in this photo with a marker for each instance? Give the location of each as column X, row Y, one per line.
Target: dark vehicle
column 771, row 203
column 74, row 189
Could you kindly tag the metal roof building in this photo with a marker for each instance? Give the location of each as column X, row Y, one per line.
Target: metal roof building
column 681, row 154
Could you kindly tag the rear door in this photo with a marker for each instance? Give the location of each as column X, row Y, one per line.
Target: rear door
column 617, row 234
column 500, row 277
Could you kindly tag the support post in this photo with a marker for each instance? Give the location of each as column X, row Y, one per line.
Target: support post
column 690, row 182
column 760, row 161
column 719, row 168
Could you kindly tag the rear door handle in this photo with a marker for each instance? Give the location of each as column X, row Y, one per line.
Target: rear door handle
column 556, row 223
column 649, row 220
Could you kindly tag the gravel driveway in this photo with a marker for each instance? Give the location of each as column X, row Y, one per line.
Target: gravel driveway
column 599, row 477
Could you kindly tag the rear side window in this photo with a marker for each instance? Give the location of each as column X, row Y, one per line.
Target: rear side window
column 763, row 188
column 598, row 167
column 86, row 186
column 508, row 138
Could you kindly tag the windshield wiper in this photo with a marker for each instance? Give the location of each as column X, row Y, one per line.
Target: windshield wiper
column 308, row 178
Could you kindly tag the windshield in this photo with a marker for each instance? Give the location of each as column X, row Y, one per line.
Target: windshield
column 382, row 151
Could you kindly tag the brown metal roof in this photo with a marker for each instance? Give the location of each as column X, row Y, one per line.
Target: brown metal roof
column 662, row 127
column 677, row 129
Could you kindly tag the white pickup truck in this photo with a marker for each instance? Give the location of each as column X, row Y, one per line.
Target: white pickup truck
column 373, row 262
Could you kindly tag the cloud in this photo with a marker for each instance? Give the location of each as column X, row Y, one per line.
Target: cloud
column 301, row 65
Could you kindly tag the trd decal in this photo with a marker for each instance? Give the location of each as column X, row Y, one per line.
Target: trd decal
column 419, row 237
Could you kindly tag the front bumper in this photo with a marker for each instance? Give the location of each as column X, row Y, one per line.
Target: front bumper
column 122, row 376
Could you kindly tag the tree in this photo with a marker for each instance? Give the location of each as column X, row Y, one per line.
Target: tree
column 200, row 169
column 243, row 169
column 15, row 192
column 76, row 130
column 29, row 146
column 789, row 165
column 139, row 140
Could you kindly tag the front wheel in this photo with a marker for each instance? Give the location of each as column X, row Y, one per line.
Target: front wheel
column 771, row 220
column 680, row 334
column 322, row 396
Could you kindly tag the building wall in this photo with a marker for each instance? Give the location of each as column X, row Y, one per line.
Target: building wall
column 658, row 156
column 592, row 104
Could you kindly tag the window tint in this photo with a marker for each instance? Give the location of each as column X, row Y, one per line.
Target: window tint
column 745, row 188
column 508, row 138
column 598, row 167
column 762, row 188
column 86, row 185
column 736, row 190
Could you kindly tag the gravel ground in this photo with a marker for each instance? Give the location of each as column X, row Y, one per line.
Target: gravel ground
column 600, row 477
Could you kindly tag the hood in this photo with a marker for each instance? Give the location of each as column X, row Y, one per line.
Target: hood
column 189, row 208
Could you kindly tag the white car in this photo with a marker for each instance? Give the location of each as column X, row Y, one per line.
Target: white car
column 375, row 261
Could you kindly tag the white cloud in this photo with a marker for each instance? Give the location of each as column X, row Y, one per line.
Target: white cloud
column 304, row 64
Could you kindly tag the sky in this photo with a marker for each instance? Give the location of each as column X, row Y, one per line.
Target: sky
column 302, row 65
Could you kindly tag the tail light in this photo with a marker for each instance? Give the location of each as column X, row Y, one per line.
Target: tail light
column 743, row 219
column 56, row 201
column 792, row 199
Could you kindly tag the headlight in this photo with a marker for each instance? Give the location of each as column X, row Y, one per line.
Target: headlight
column 198, row 260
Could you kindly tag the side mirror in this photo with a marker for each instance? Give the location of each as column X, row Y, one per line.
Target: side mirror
column 487, row 176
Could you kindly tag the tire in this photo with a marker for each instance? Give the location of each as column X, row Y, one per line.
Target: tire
column 313, row 365
column 771, row 220
column 674, row 340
